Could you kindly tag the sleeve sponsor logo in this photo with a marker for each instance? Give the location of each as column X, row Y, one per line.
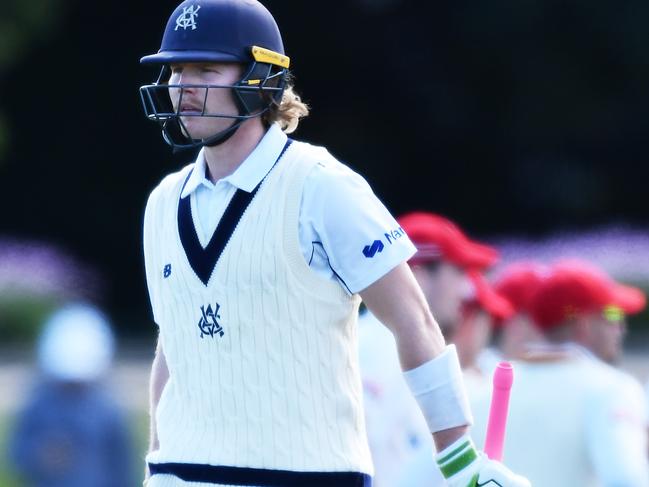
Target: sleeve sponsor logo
column 394, row 235
column 370, row 251
column 377, row 246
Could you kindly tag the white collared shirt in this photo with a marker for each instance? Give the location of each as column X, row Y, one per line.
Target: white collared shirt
column 340, row 215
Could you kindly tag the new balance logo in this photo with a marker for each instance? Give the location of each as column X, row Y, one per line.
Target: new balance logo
column 208, row 323
column 188, row 18
column 370, row 251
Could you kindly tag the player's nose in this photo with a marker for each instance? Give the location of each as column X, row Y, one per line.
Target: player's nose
column 187, row 79
column 188, row 76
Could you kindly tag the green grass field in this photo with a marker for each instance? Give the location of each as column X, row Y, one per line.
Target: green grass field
column 6, row 477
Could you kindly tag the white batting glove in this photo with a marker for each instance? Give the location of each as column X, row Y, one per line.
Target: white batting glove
column 463, row 466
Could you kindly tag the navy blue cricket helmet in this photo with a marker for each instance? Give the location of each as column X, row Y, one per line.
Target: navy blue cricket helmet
column 240, row 31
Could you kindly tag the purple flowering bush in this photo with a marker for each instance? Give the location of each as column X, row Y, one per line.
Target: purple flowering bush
column 34, row 279
column 622, row 252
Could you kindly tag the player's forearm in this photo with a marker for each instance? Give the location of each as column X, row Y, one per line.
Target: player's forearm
column 431, row 369
column 159, row 377
column 419, row 339
column 417, row 349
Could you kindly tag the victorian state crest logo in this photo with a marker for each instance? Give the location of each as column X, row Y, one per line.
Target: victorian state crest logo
column 208, row 322
column 187, row 19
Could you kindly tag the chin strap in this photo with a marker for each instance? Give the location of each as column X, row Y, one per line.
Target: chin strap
column 212, row 141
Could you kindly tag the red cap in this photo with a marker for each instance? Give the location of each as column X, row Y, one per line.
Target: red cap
column 437, row 238
column 575, row 288
column 487, row 298
column 519, row 281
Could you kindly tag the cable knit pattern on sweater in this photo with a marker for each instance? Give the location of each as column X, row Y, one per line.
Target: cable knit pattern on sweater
column 281, row 388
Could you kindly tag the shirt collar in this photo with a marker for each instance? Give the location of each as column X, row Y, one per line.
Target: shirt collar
column 250, row 172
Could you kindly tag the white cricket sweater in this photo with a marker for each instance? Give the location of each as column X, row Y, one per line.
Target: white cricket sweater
column 280, row 389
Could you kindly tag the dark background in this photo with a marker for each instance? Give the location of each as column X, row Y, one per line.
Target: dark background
column 514, row 117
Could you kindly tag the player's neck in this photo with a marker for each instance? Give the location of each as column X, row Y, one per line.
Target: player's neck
column 223, row 159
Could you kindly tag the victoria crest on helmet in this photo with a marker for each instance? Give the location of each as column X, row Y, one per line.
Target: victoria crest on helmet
column 188, row 17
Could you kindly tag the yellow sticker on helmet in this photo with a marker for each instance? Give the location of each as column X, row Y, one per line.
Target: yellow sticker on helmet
column 613, row 313
column 263, row 55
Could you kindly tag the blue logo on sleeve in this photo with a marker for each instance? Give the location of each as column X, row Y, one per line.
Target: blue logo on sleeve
column 166, row 272
column 370, row 251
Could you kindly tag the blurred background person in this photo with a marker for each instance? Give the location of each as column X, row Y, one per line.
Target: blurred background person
column 482, row 309
column 575, row 420
column 70, row 432
column 395, row 426
column 518, row 282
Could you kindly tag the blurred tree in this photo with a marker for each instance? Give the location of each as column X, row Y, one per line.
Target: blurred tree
column 23, row 24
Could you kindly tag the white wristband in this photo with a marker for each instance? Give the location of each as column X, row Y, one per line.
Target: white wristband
column 438, row 387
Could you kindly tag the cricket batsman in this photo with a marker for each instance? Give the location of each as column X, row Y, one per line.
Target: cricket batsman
column 257, row 256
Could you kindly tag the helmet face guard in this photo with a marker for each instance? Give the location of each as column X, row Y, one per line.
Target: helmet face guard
column 217, row 31
column 261, row 87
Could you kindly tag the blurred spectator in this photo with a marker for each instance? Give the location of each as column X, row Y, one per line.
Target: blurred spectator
column 395, row 426
column 518, row 283
column 481, row 310
column 70, row 433
column 574, row 419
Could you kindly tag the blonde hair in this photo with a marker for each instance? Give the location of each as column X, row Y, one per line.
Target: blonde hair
column 289, row 112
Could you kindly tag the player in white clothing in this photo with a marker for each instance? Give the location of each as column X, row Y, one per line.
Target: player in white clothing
column 574, row 419
column 256, row 256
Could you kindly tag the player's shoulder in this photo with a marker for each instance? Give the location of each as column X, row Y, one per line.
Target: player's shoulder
column 625, row 381
column 327, row 173
column 325, row 163
column 169, row 186
column 606, row 380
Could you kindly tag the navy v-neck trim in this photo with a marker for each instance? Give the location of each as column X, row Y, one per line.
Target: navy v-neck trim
column 203, row 260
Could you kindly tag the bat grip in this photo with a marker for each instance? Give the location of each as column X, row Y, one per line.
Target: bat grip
column 502, row 384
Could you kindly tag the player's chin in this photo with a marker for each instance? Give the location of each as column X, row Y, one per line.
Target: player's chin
column 195, row 129
column 199, row 129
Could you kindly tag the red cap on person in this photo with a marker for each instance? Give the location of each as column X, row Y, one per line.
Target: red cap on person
column 576, row 288
column 438, row 238
column 487, row 298
column 519, row 281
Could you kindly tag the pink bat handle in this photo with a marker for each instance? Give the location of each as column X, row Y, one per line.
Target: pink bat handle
column 495, row 440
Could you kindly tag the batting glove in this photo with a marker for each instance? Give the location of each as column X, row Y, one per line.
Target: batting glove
column 463, row 466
